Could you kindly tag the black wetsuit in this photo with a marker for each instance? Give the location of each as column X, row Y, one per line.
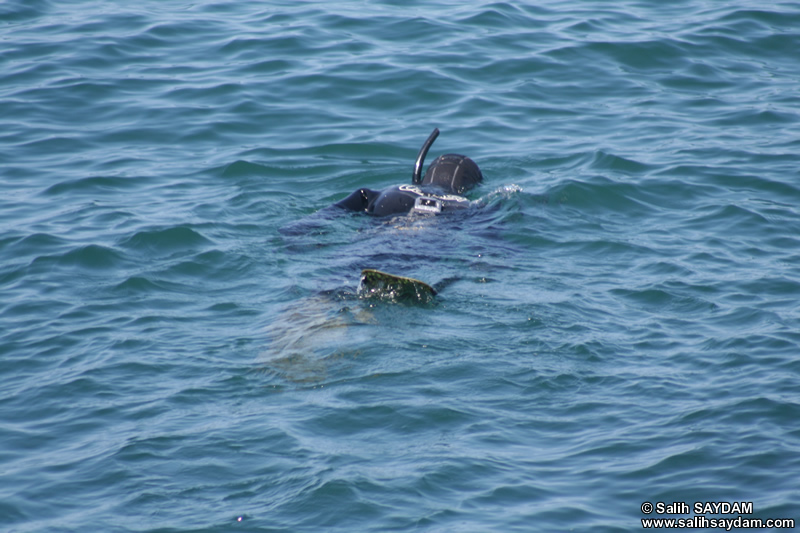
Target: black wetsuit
column 403, row 199
column 440, row 191
column 446, row 179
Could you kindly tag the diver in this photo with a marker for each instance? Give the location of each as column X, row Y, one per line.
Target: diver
column 441, row 190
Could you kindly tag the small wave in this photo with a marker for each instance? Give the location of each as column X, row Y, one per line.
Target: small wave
column 93, row 185
column 166, row 240
column 663, row 300
column 601, row 195
column 245, row 168
column 91, row 256
column 138, row 285
column 499, row 15
column 36, row 243
column 738, row 220
column 607, row 161
column 21, row 10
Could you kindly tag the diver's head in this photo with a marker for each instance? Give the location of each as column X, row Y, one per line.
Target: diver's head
column 453, row 173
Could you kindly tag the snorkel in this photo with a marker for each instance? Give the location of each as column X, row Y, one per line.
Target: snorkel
column 416, row 178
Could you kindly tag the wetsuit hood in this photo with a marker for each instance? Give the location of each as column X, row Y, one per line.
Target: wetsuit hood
column 453, row 173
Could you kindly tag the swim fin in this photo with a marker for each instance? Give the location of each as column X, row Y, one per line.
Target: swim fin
column 375, row 283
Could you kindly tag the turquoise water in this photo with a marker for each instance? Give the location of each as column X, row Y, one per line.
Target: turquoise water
column 182, row 345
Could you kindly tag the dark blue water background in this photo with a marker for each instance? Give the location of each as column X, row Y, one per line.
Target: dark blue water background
column 619, row 317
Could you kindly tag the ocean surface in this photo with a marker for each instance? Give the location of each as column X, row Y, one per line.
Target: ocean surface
column 182, row 343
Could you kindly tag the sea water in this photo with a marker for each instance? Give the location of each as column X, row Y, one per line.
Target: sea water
column 182, row 343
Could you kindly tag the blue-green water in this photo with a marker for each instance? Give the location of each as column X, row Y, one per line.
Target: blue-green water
column 181, row 345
